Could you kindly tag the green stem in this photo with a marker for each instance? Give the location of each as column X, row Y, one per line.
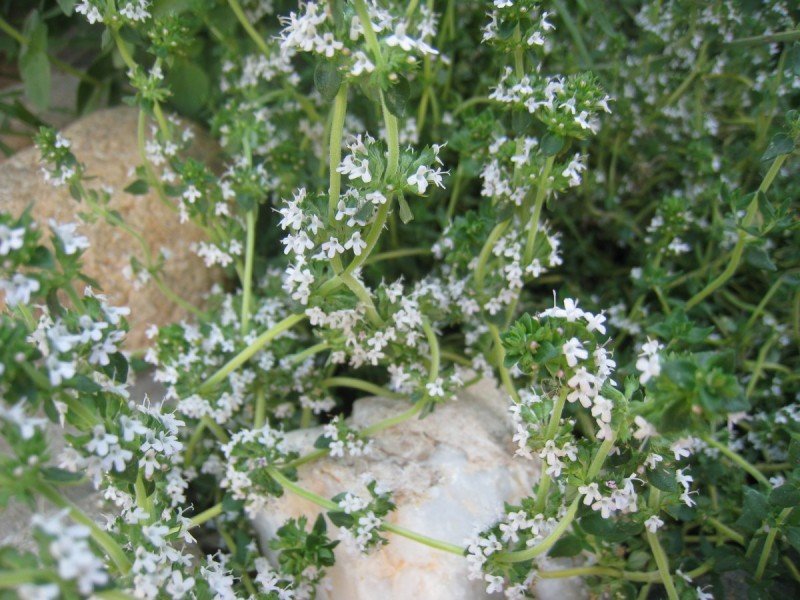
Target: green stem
column 206, row 515
column 173, row 297
column 335, row 150
column 103, row 539
column 12, row 579
column 423, row 539
column 638, row 576
column 362, row 293
column 245, row 355
column 550, row 432
column 247, row 284
column 738, row 249
column 260, row 411
column 505, row 376
column 538, row 203
column 663, row 565
column 310, row 351
column 123, row 50
column 359, row 384
column 768, row 543
column 395, row 420
column 434, row 346
column 546, row 543
column 397, row 254
column 488, row 246
column 738, row 460
column 197, row 435
column 242, row 18
column 291, row 486
column 215, row 428
column 725, row 530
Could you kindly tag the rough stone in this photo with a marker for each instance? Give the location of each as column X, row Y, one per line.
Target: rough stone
column 450, row 474
column 105, row 142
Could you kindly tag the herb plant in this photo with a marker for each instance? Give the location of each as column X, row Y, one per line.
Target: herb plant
column 594, row 204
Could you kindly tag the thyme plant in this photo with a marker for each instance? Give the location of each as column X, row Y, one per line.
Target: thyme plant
column 595, row 207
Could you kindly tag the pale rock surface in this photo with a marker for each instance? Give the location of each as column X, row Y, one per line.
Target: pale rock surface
column 450, row 474
column 105, row 141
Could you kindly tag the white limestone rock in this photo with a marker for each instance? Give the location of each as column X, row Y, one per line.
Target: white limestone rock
column 450, row 474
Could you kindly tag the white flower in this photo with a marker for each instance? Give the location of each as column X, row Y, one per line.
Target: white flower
column 355, row 243
column 19, row 289
column 11, row 239
column 574, row 351
column 69, row 239
column 332, row 247
column 644, row 429
column 653, row 524
column 419, row 179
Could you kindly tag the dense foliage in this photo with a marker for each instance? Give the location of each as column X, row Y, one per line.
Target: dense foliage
column 594, row 203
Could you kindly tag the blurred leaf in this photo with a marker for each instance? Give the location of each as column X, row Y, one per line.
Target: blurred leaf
column 34, row 66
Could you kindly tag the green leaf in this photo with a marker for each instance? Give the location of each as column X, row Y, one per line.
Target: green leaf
column 405, row 211
column 754, row 510
column 34, row 66
column 785, row 496
column 552, row 144
column 56, row 475
column 190, row 87
column 758, row 257
column 67, row 6
column 793, row 537
column 567, row 546
column 138, row 188
column 327, row 79
column 663, row 480
column 396, row 97
column 779, row 144
column 341, row 519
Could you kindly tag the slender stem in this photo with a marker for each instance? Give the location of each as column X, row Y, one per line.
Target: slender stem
column 546, row 543
column 434, row 346
column 169, row 294
column 737, row 459
column 738, row 249
column 197, row 435
column 248, row 352
column 11, row 579
column 600, row 457
column 423, row 539
column 335, row 150
column 488, row 246
column 505, row 376
column 243, row 20
column 396, row 420
column 538, row 203
column 287, row 484
column 247, row 283
column 768, row 543
column 310, row 351
column 663, row 565
column 550, row 432
column 206, row 515
column 103, row 539
column 402, row 253
column 759, row 366
column 123, row 50
column 215, row 428
column 367, row 431
column 638, row 576
column 260, row 411
column 725, row 530
column 362, row 293
column 359, row 384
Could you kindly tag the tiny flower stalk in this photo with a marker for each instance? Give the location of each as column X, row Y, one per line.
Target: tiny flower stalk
column 658, row 552
column 243, row 356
